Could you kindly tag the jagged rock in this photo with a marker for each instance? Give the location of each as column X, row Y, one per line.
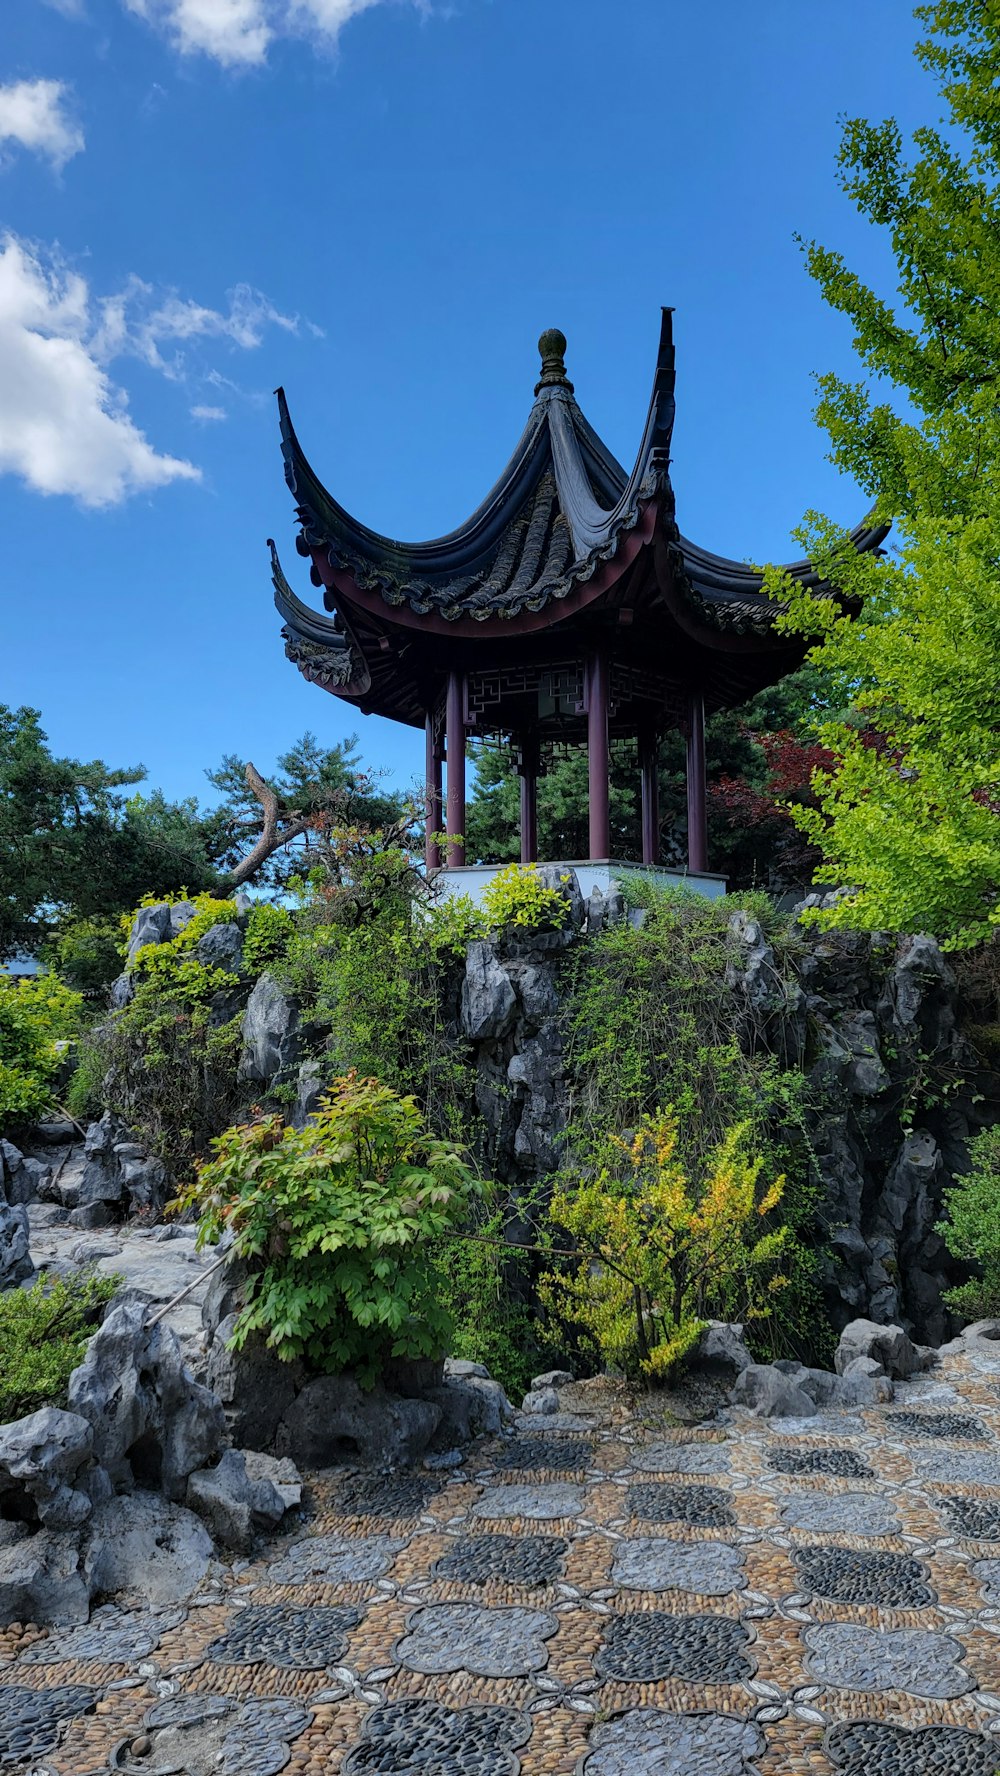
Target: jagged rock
column 26, row 1179
column 145, row 1181
column 279, row 1472
column 144, row 1547
column 151, row 925
column 489, row 1003
column 311, row 1083
column 541, row 1401
column 121, row 992
column 255, row 1387
column 181, row 914
column 566, row 883
column 720, row 1351
column 40, row 1457
column 221, row 947
column 100, row 1182
column 769, row 1393
column 458, row 1369
column 552, row 1378
column 864, row 1383
column 333, row 1421
column 15, row 1257
column 471, row 1406
column 153, row 1423
column 41, row 1580
column 236, row 1501
column 91, row 1215
column 889, row 1346
column 270, row 1032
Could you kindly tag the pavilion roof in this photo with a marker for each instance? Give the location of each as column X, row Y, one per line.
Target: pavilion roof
column 562, row 508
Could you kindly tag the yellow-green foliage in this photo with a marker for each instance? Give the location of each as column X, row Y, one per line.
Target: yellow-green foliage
column 43, row 1335
column 658, row 1251
column 518, row 897
column 269, row 931
column 34, row 1016
column 337, row 1222
column 168, row 1064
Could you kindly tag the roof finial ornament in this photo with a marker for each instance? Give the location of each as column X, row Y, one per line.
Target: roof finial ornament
column 552, row 346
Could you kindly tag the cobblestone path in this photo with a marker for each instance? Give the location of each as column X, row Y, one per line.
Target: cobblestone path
column 588, row 1598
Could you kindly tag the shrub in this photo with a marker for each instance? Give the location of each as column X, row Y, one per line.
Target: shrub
column 35, row 1015
column 87, row 953
column 518, row 897
column 43, row 1334
column 650, row 1022
column 337, row 1222
column 972, row 1230
column 167, row 1061
column 659, row 1255
column 487, row 1287
column 268, row 933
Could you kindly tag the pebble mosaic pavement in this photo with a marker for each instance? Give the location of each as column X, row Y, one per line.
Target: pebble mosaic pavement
column 600, row 1596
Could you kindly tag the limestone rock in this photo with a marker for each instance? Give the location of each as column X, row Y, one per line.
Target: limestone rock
column 41, row 1580
column 237, row 1500
column 552, row 1378
column 889, row 1346
column 221, row 947
column 333, row 1420
column 489, row 1003
column 144, row 1547
column 270, row 1032
column 769, row 1393
column 153, row 1423
column 40, row 1457
column 255, row 1387
column 470, row 1406
column 542, row 1402
column 151, row 925
column 15, row 1257
column 458, row 1369
column 720, row 1351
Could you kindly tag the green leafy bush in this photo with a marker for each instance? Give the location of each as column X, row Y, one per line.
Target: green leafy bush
column 43, row 1335
column 87, row 953
column 518, row 897
column 972, row 1229
column 337, row 1221
column 167, row 1062
column 650, row 1023
column 35, row 1015
column 268, row 934
column 660, row 1254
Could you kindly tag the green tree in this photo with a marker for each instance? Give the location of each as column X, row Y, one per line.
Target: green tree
column 75, row 843
column 908, row 814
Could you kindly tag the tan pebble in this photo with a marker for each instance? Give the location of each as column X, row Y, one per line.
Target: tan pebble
column 142, row 1746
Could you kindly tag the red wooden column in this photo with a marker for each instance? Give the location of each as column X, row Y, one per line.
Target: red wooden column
column 432, row 794
column 527, row 764
column 455, row 732
column 598, row 755
column 649, row 761
column 697, row 799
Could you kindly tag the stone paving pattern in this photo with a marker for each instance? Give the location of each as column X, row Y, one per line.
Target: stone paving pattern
column 606, row 1595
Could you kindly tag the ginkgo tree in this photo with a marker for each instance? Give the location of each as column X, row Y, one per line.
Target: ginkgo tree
column 909, row 812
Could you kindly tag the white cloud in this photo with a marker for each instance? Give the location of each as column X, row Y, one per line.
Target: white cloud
column 32, row 115
column 238, row 33
column 65, row 426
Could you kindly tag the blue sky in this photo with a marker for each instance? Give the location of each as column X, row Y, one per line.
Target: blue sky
column 381, row 204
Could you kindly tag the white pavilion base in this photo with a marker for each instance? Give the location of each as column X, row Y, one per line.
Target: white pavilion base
column 472, row 878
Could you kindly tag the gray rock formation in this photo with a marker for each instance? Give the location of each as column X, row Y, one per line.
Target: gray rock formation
column 333, row 1421
column 888, row 1347
column 40, row 1459
column 271, row 1039
column 41, row 1580
column 243, row 1496
column 489, row 1003
column 145, row 1548
column 221, row 947
column 720, row 1351
column 153, row 1424
column 16, row 1265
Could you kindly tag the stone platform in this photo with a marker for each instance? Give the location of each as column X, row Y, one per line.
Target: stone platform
column 602, row 1594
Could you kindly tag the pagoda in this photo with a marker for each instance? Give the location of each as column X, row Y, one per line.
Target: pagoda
column 567, row 610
